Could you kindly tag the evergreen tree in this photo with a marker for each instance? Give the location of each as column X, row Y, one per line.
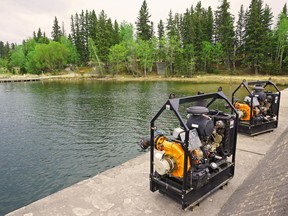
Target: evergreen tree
column 281, row 36
column 268, row 35
column 199, row 35
column 116, row 33
column 225, row 31
column 189, row 59
column 161, row 30
column 5, row 50
column 170, row 27
column 144, row 26
column 34, row 35
column 111, row 34
column 72, row 35
column 79, row 35
column 75, row 34
column 152, row 29
column 284, row 13
column 40, row 37
column 63, row 31
column 161, row 42
column 2, row 50
column 240, row 34
column 178, row 20
column 84, row 35
column 92, row 25
column 13, row 46
column 104, row 38
column 208, row 25
column 187, row 28
column 258, row 23
column 173, row 50
column 56, row 30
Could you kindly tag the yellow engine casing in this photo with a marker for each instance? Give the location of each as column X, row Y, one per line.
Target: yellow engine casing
column 174, row 151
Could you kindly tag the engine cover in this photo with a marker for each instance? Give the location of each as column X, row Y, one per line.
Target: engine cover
column 202, row 123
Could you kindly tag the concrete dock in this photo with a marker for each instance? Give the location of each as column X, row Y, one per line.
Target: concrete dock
column 124, row 190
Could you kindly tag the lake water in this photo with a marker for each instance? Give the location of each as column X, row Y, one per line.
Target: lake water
column 54, row 134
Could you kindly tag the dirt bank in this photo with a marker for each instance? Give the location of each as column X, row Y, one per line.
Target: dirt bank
column 278, row 80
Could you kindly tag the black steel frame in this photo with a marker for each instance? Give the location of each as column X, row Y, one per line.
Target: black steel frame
column 249, row 127
column 181, row 192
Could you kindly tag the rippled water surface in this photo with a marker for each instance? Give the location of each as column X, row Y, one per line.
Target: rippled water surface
column 54, row 134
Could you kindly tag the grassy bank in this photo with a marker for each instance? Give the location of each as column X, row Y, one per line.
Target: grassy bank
column 278, row 80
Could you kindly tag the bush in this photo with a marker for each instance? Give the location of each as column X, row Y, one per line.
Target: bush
column 271, row 68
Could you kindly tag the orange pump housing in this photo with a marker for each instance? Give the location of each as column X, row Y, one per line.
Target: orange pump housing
column 245, row 108
column 175, row 151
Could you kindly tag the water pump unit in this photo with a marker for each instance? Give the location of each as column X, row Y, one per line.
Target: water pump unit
column 259, row 109
column 197, row 154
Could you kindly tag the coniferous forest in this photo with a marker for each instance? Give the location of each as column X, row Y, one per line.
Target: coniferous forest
column 198, row 41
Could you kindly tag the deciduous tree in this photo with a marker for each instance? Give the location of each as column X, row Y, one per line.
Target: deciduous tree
column 146, row 53
column 18, row 58
column 117, row 55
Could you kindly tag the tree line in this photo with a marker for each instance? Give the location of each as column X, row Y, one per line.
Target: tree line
column 198, row 40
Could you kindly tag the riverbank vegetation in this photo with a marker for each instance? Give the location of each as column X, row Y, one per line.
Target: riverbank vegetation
column 199, row 41
column 201, row 78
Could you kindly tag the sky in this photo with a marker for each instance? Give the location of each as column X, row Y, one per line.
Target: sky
column 19, row 18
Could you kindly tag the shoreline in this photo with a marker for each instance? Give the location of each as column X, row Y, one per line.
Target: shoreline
column 206, row 78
